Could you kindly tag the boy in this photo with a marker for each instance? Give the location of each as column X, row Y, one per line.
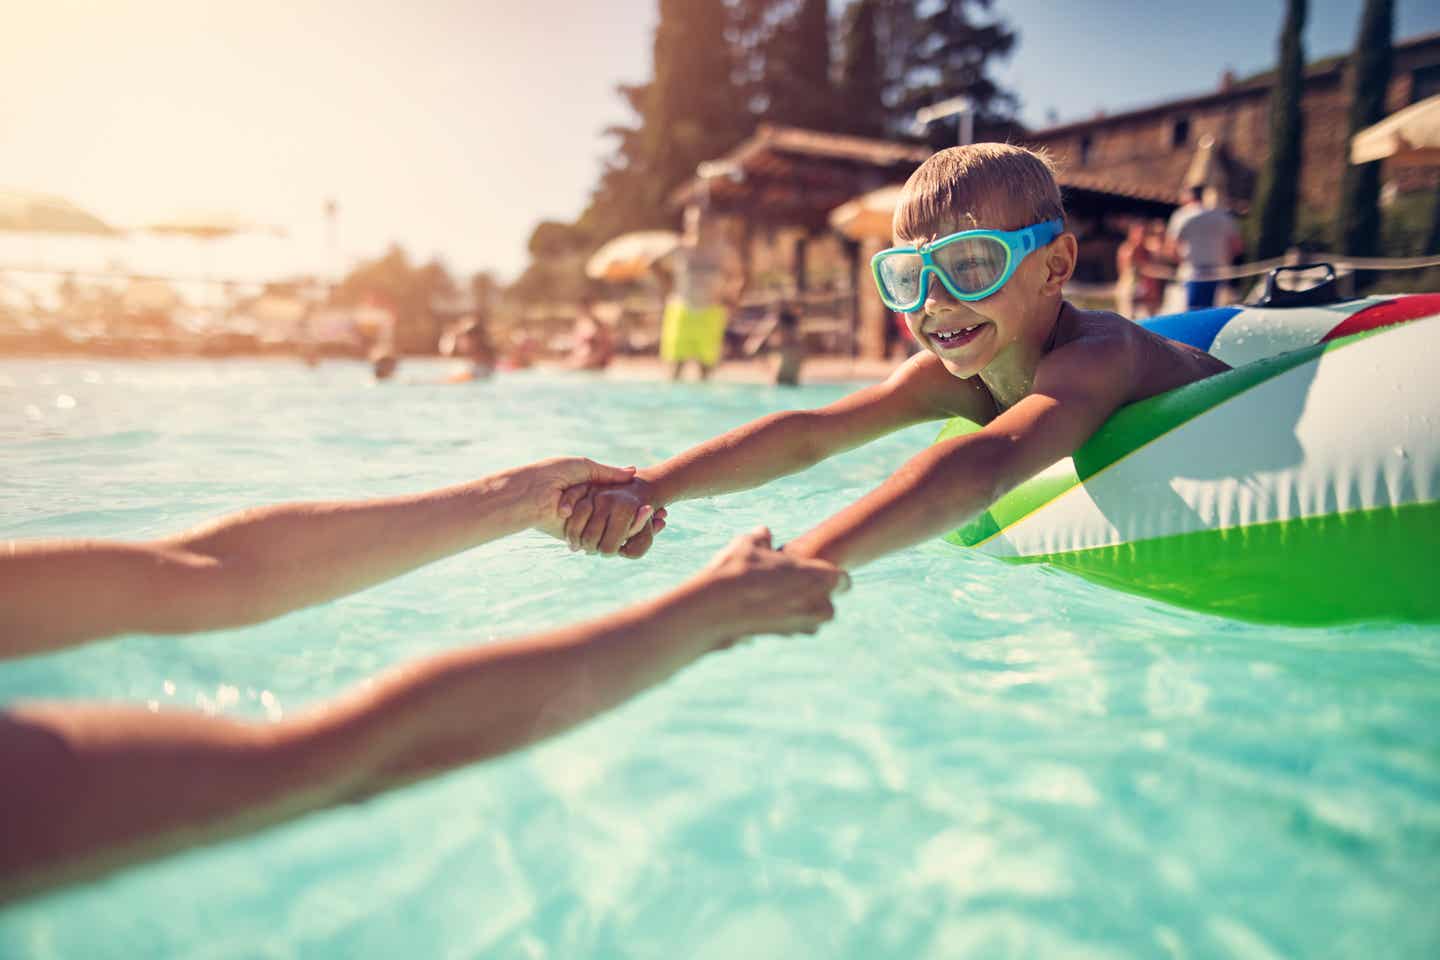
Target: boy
column 978, row 275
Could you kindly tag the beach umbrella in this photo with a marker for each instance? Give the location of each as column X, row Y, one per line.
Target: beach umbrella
column 22, row 211
column 630, row 255
column 210, row 226
column 1409, row 137
column 868, row 216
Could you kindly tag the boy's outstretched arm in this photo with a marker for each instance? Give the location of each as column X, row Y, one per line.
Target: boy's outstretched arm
column 264, row 562
column 773, row 446
column 96, row 787
column 1077, row 388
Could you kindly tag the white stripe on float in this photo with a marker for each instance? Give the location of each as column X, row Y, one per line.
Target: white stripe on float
column 1357, row 428
column 1259, row 332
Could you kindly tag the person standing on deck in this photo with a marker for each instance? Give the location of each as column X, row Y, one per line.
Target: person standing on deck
column 1202, row 237
column 708, row 281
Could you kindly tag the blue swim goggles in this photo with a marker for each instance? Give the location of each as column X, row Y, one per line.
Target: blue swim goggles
column 971, row 264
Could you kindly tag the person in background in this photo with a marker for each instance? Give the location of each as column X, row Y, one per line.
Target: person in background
column 781, row 330
column 93, row 787
column 708, row 281
column 1202, row 237
column 469, row 340
column 789, row 350
column 594, row 342
column 1150, row 295
column 382, row 364
column 1137, row 290
column 521, row 355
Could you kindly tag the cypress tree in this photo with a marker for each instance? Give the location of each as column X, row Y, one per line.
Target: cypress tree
column 691, row 111
column 861, row 96
column 796, row 83
column 944, row 52
column 1274, row 211
column 1358, row 226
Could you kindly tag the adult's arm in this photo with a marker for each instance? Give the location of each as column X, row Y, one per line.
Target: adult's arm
column 97, row 787
column 1077, row 388
column 267, row 561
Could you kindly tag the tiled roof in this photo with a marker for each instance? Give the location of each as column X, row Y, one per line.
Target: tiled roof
column 1096, row 183
column 882, row 153
column 818, row 164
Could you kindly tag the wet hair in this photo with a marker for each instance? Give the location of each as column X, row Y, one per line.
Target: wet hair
column 996, row 185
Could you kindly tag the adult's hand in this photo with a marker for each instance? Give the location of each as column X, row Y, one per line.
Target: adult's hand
column 752, row 588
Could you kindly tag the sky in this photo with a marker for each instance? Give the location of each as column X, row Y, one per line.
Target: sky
column 453, row 127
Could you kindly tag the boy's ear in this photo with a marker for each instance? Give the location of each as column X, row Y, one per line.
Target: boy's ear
column 1060, row 256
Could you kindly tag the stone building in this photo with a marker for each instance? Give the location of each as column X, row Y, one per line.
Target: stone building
column 1151, row 148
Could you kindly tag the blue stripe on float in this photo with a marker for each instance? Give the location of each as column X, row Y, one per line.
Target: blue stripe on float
column 1198, row 328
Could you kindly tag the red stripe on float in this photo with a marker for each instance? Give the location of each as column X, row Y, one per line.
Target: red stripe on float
column 1387, row 314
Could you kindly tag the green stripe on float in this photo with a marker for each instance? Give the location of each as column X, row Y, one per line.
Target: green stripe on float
column 1376, row 564
column 1126, row 432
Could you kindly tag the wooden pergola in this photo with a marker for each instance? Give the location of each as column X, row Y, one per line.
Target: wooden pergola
column 791, row 178
column 786, row 176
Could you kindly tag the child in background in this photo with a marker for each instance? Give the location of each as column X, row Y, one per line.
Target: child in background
column 789, row 348
column 979, row 272
column 470, row 341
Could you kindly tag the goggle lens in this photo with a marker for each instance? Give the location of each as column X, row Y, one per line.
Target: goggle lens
column 900, row 275
column 973, row 264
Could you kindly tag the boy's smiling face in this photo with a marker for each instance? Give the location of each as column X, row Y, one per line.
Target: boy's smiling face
column 968, row 336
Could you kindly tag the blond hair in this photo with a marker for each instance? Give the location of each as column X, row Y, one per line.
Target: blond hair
column 994, row 185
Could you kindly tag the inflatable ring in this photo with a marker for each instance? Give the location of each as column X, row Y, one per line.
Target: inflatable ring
column 1300, row 487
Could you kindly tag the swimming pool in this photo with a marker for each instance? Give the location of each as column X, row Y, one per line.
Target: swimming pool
column 974, row 760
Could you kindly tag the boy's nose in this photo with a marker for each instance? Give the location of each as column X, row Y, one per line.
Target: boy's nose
column 937, row 298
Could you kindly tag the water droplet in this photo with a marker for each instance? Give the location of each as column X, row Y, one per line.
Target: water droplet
column 64, row 402
column 1400, row 452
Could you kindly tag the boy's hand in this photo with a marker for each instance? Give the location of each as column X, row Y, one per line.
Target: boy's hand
column 751, row 588
column 606, row 520
column 551, row 488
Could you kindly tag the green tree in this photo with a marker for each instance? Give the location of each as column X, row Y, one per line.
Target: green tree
column 1274, row 211
column 941, row 51
column 407, row 290
column 1358, row 224
column 692, row 110
column 861, row 97
column 796, row 84
column 557, row 263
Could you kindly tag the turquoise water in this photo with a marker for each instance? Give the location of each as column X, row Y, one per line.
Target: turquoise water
column 973, row 760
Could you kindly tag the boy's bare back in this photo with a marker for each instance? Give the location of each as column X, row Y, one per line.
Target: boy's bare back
column 1113, row 348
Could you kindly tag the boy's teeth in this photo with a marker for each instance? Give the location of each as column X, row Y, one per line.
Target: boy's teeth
column 952, row 334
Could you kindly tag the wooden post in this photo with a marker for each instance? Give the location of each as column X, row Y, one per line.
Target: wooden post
column 874, row 316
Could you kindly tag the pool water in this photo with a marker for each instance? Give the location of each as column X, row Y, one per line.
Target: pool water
column 975, row 759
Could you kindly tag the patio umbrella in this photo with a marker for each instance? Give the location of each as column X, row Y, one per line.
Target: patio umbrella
column 630, row 255
column 24, row 212
column 1409, row 137
column 868, row 215
column 1208, row 167
column 210, row 226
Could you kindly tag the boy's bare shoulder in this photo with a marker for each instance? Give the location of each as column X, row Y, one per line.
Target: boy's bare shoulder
column 926, row 384
column 1152, row 363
